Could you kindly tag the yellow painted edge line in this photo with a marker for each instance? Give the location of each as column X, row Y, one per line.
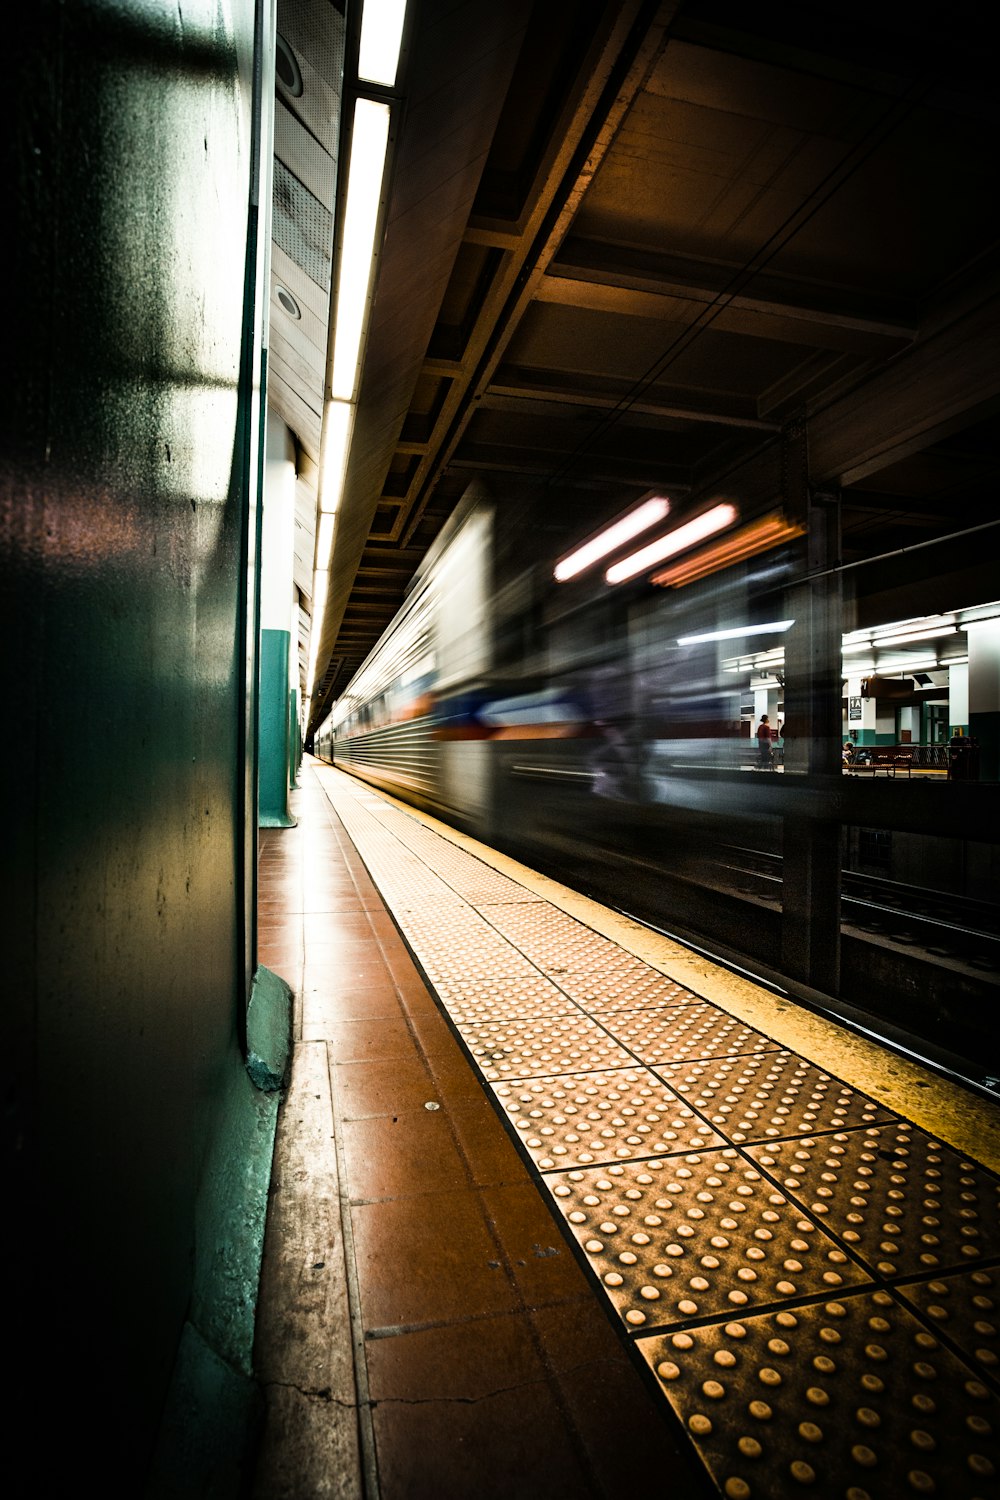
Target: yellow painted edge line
column 945, row 1110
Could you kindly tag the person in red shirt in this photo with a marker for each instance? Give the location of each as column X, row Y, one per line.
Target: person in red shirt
column 764, row 733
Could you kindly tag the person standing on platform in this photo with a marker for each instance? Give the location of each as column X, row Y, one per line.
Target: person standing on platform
column 765, row 758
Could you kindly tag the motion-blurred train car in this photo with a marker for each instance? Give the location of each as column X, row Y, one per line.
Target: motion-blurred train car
column 604, row 730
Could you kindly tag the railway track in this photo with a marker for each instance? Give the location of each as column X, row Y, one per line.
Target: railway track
column 942, row 924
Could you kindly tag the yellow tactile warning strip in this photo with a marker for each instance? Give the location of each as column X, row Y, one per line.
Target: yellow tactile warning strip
column 811, row 1274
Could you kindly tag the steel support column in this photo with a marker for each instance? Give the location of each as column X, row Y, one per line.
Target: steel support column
column 810, row 932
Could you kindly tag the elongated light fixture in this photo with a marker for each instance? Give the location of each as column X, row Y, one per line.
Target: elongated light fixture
column 759, row 536
column 324, row 539
column 612, row 537
column 369, row 140
column 918, row 635
column 337, row 429
column 381, row 35
column 673, row 542
column 775, row 627
column 321, row 583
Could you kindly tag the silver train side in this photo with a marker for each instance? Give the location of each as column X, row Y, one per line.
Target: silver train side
column 579, row 728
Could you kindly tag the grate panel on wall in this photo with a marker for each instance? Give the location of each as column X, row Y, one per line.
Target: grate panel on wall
column 301, row 226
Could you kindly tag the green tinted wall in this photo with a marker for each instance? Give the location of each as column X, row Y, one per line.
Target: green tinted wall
column 123, row 507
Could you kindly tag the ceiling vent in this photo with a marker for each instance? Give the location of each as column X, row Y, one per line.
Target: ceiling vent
column 286, row 68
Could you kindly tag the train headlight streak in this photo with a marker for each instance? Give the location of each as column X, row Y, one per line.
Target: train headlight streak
column 759, row 536
column 673, row 542
column 611, row 538
column 381, row 35
column 774, row 628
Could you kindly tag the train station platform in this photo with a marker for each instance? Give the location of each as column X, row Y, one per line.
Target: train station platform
column 561, row 1208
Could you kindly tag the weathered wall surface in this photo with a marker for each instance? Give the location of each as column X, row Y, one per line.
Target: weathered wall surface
column 123, row 663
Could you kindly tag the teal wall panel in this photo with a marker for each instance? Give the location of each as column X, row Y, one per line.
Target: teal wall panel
column 123, row 532
column 295, row 738
column 274, row 742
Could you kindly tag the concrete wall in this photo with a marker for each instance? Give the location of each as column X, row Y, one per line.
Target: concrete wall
column 123, row 501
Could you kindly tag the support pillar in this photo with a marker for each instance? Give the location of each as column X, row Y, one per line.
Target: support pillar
column 811, row 864
column 984, row 699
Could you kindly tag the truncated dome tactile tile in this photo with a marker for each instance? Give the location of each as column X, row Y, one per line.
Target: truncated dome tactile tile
column 690, row 1237
column 679, row 1032
column 966, row 1308
column 771, row 1095
column 901, row 1200
column 550, row 931
column 582, row 1118
column 468, row 952
column 851, row 1398
column 528, row 1049
column 474, row 1001
column 465, row 872
column 638, row 989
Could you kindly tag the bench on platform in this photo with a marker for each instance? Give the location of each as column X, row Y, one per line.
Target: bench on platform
column 887, row 758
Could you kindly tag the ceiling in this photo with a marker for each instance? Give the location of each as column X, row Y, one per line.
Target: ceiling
column 689, row 248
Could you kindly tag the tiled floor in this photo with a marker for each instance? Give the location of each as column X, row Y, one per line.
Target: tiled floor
column 424, row 1328
column 698, row 1265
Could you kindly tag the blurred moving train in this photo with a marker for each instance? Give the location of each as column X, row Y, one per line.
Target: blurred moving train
column 601, row 727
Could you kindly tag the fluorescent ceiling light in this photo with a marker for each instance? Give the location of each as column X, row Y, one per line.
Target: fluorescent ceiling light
column 919, row 635
column 612, row 537
column 774, row 628
column 908, row 627
column 321, row 583
column 864, row 645
column 905, row 665
column 381, row 35
column 977, row 612
column 337, row 426
column 324, row 541
column 369, row 140
column 675, row 541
